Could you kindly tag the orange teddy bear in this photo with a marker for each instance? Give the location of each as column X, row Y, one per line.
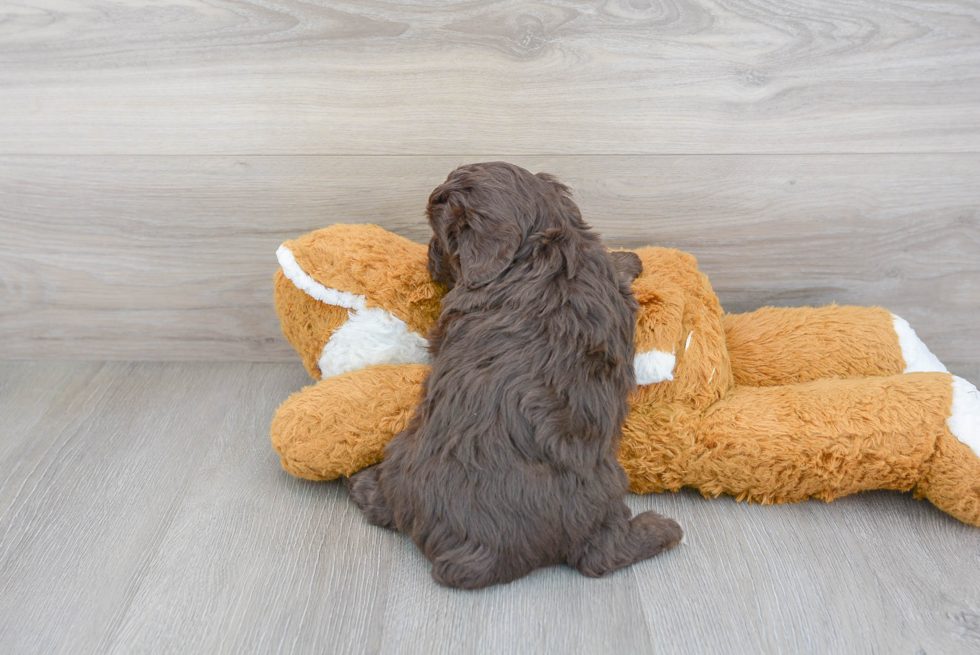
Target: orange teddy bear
column 776, row 405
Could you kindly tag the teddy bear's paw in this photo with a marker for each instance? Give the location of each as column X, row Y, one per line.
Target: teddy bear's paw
column 918, row 358
column 964, row 419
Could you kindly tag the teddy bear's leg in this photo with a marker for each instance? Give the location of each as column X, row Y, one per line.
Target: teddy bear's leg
column 951, row 477
column 830, row 438
column 620, row 541
column 342, row 424
column 775, row 346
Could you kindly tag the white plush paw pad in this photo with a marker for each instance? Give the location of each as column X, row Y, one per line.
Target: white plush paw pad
column 964, row 420
column 654, row 366
column 918, row 358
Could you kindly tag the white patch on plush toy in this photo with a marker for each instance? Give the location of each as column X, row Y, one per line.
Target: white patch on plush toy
column 304, row 282
column 964, row 420
column 654, row 366
column 369, row 337
column 917, row 357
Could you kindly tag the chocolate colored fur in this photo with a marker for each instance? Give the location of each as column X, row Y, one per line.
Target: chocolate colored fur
column 509, row 462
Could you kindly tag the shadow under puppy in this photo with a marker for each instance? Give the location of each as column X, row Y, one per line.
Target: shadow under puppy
column 509, row 462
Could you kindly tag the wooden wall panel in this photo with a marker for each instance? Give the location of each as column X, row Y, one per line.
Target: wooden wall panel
column 555, row 76
column 172, row 257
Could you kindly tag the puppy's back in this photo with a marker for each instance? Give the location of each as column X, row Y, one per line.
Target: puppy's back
column 509, row 462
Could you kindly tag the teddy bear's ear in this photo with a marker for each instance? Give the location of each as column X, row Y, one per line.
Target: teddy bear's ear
column 307, row 323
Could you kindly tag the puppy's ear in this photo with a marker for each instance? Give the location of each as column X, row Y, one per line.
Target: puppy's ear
column 486, row 247
column 438, row 264
column 553, row 181
column 478, row 243
column 627, row 264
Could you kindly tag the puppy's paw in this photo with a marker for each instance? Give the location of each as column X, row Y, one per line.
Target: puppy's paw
column 366, row 494
column 653, row 534
column 472, row 566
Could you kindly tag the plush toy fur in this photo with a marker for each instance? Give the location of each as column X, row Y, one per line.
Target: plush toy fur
column 777, row 405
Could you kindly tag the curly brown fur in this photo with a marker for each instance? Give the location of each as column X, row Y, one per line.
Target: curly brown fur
column 509, row 462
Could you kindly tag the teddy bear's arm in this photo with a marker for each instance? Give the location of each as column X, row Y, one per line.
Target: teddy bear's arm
column 342, row 424
column 775, row 346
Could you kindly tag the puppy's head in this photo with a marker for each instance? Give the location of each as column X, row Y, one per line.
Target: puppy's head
column 483, row 214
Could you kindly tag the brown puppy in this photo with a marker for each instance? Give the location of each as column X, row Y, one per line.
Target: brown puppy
column 509, row 462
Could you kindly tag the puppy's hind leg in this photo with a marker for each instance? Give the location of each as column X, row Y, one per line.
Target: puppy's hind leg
column 472, row 566
column 365, row 490
column 620, row 541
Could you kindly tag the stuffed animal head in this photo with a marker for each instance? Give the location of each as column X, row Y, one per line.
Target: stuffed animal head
column 352, row 296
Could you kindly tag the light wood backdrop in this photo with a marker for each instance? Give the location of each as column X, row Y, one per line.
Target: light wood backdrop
column 154, row 153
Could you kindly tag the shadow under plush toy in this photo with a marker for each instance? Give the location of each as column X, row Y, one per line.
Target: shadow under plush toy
column 776, row 405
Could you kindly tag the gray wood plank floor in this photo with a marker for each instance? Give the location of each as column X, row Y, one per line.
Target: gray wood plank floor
column 143, row 510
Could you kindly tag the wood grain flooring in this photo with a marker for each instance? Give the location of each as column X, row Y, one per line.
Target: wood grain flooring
column 172, row 257
column 142, row 509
